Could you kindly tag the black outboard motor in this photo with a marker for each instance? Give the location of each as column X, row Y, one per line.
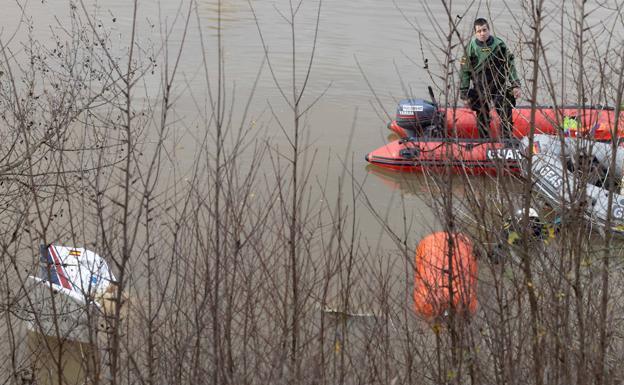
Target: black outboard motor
column 418, row 116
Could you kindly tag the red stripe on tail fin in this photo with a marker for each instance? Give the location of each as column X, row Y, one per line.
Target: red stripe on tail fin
column 59, row 268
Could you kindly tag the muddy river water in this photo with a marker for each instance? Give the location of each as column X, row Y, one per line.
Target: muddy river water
column 368, row 54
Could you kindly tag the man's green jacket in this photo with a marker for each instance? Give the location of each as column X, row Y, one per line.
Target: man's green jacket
column 490, row 67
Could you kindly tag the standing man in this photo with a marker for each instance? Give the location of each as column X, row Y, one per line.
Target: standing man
column 489, row 65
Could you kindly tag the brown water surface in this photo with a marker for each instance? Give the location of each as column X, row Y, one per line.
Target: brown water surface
column 369, row 54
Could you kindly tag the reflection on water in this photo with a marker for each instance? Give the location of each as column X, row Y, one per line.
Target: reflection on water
column 228, row 12
column 61, row 361
column 48, row 355
column 419, row 183
column 406, row 182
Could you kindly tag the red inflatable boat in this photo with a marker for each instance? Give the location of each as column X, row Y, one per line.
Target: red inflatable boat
column 472, row 156
column 418, row 117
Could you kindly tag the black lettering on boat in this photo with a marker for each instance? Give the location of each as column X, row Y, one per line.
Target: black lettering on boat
column 551, row 176
column 618, row 212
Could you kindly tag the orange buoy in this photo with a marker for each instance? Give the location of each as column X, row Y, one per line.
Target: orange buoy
column 440, row 286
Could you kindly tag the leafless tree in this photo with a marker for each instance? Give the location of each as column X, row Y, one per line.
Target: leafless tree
column 241, row 267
